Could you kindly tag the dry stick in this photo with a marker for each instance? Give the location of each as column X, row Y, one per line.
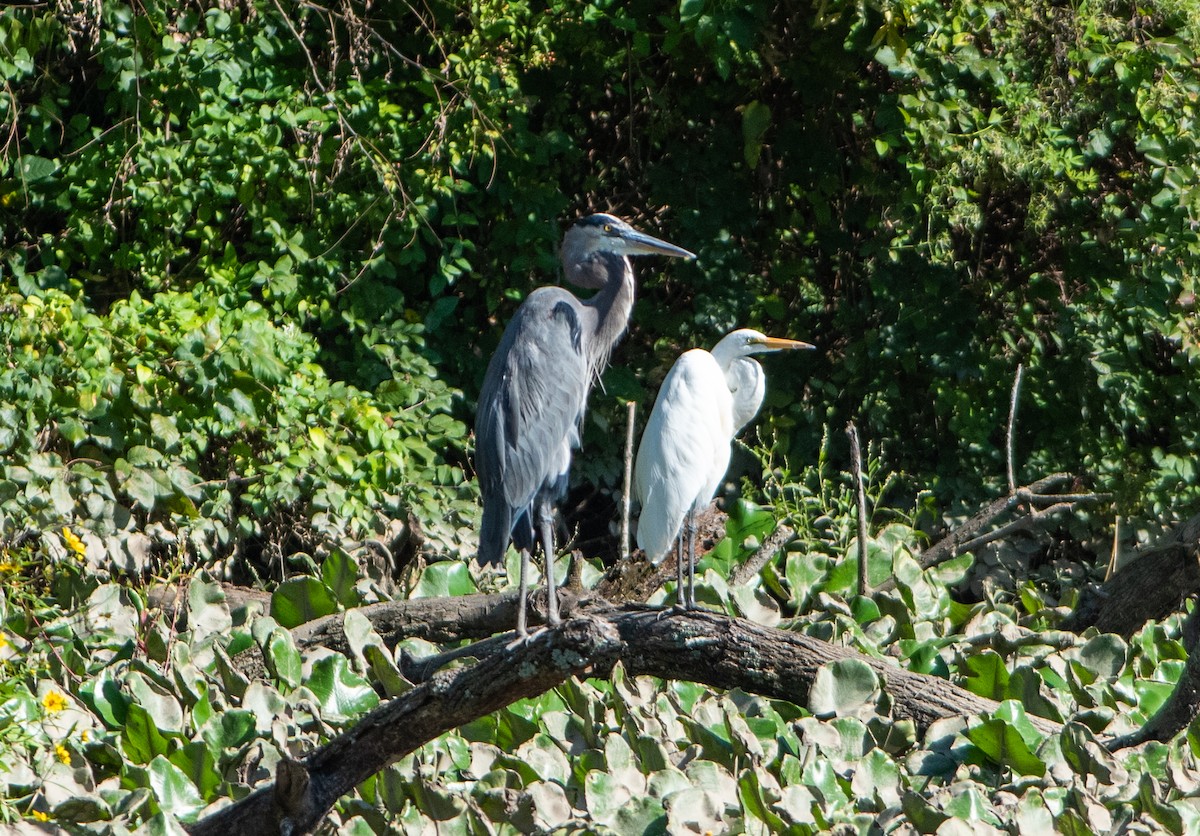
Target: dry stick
column 627, row 489
column 970, row 534
column 1019, row 524
column 1012, row 427
column 779, row 538
column 861, row 491
column 1116, row 546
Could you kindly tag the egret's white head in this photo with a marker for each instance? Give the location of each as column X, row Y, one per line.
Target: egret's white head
column 747, row 341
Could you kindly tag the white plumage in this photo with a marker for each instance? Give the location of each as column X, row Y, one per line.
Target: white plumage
column 703, row 404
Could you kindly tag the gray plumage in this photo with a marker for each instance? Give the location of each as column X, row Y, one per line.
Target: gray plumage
column 535, row 390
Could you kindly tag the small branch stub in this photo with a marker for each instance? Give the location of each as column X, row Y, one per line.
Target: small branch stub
column 1010, row 439
column 860, row 491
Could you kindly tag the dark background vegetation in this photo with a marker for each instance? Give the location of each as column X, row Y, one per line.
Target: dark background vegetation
column 300, row 230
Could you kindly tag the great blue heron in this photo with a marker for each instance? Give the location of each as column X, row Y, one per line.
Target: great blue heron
column 536, row 387
column 703, row 404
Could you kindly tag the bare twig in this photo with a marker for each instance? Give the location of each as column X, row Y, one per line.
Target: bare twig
column 770, row 547
column 627, row 489
column 1019, row 524
column 1116, row 548
column 973, row 533
column 1012, row 427
column 860, row 491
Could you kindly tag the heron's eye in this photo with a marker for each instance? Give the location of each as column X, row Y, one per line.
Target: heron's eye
column 608, row 227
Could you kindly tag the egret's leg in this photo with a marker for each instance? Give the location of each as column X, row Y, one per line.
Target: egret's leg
column 546, row 522
column 679, row 558
column 523, row 596
column 690, row 524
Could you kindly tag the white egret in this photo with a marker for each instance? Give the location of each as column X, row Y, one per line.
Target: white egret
column 703, row 404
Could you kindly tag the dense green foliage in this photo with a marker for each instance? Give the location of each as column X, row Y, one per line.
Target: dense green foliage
column 253, row 259
column 278, row 212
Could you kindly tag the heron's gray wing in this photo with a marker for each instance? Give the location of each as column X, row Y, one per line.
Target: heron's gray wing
column 533, row 398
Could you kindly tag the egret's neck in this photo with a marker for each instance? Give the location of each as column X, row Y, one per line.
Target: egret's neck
column 613, row 304
column 748, row 385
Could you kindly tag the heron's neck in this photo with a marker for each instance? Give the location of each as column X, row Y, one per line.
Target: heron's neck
column 613, row 304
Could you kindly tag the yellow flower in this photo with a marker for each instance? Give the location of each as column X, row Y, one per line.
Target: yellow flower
column 62, row 753
column 85, row 736
column 40, row 816
column 6, row 566
column 73, row 542
column 54, row 702
column 3, row 641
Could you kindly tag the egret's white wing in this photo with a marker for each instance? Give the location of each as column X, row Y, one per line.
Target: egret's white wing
column 684, row 451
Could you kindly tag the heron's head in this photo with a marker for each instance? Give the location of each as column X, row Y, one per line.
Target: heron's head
column 607, row 234
column 746, row 341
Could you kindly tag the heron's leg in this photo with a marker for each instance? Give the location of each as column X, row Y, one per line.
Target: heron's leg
column 523, row 596
column 690, row 524
column 546, row 522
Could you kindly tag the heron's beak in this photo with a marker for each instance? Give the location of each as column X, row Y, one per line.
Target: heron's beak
column 780, row 344
column 639, row 243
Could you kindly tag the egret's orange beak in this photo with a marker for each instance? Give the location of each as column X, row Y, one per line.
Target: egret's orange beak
column 780, row 344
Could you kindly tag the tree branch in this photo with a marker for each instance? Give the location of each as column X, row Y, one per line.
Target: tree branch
column 780, row 537
column 973, row 533
column 304, row 791
column 694, row 645
column 1148, row 588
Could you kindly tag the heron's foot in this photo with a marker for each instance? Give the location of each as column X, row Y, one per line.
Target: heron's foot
column 530, row 636
column 675, row 609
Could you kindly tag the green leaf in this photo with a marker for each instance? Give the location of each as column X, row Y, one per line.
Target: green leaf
column 196, row 761
column 340, row 574
column 340, row 692
column 162, row 707
column 1104, row 655
column 843, row 688
column 385, row 671
column 756, row 118
column 282, row 658
column 444, row 580
column 1003, row 744
column 140, row 736
column 987, row 676
column 229, row 729
column 106, row 698
column 33, row 168
column 174, row 791
column 877, row 780
column 299, row 600
column 750, row 793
